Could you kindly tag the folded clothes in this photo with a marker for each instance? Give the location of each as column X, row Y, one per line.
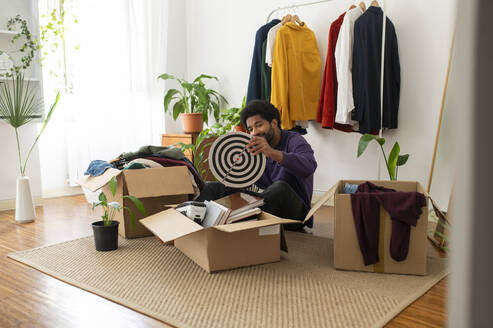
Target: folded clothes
column 97, row 167
column 156, row 151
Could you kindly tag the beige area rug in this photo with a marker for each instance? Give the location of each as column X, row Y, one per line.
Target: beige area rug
column 303, row 290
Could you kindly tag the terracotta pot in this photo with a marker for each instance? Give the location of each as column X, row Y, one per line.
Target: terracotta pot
column 240, row 128
column 192, row 122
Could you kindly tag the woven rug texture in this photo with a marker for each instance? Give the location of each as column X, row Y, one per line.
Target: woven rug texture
column 302, row 290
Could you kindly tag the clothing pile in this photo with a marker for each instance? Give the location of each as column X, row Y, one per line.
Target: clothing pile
column 404, row 208
column 149, row 157
column 350, row 95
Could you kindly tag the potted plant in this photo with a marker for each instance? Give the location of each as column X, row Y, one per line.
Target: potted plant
column 106, row 230
column 231, row 117
column 194, row 102
column 19, row 106
column 394, row 160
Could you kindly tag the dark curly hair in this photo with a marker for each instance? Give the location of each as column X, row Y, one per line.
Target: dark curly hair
column 260, row 107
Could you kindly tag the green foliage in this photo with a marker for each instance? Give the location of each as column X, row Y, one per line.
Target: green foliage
column 111, row 208
column 231, row 116
column 394, row 160
column 29, row 47
column 193, row 98
column 19, row 106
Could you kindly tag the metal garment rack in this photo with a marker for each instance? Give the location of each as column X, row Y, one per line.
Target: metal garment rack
column 295, row 6
column 382, row 64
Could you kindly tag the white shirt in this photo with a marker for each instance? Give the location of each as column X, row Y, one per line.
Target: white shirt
column 269, row 47
column 344, row 59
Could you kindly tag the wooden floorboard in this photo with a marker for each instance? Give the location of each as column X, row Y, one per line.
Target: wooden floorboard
column 29, row 298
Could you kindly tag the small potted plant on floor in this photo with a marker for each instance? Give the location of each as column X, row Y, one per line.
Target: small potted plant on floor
column 106, row 230
column 194, row 102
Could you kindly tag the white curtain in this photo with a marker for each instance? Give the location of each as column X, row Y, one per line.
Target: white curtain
column 113, row 103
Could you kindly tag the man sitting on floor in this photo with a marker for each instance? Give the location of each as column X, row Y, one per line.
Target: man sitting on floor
column 287, row 181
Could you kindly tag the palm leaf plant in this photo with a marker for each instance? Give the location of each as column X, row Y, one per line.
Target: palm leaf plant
column 111, row 208
column 194, row 97
column 393, row 161
column 19, row 105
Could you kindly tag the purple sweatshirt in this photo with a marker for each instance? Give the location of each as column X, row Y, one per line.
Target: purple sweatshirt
column 297, row 167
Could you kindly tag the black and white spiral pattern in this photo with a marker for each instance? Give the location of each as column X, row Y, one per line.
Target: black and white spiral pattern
column 228, row 149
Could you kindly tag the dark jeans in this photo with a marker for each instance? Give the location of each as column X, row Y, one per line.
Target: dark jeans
column 279, row 199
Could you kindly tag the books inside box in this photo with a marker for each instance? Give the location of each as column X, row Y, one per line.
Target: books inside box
column 232, row 208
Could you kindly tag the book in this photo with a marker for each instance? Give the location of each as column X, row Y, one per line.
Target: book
column 212, row 214
column 240, row 202
column 245, row 214
column 225, row 213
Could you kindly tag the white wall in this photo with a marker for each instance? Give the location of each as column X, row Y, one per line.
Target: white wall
column 8, row 147
column 220, row 40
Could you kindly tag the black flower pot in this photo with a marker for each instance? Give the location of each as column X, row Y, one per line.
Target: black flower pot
column 105, row 237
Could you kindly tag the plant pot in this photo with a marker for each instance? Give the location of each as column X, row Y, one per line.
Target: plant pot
column 240, row 128
column 192, row 123
column 24, row 207
column 105, row 237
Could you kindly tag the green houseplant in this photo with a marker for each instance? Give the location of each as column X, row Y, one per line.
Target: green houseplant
column 19, row 105
column 230, row 117
column 106, row 230
column 194, row 101
column 393, row 161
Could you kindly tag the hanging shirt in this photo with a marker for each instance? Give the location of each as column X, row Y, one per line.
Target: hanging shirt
column 254, row 83
column 265, row 74
column 271, row 38
column 343, row 58
column 367, row 68
column 328, row 95
column 295, row 74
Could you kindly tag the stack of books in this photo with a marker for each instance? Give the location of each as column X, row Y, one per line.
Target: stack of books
column 233, row 208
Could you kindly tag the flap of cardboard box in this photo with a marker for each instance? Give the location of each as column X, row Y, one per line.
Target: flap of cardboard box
column 160, row 181
column 329, row 194
column 95, row 183
column 266, row 219
column 170, row 224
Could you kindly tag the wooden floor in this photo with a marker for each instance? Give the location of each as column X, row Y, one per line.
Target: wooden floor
column 29, row 298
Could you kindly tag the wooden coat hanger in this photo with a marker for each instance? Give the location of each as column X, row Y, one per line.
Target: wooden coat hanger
column 374, row 3
column 362, row 6
column 352, row 7
column 286, row 19
column 296, row 19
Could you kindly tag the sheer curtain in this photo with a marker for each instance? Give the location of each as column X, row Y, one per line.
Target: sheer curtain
column 113, row 102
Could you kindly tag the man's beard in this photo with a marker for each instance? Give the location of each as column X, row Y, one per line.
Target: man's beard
column 269, row 135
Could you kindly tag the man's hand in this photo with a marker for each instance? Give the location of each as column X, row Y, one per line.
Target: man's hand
column 259, row 145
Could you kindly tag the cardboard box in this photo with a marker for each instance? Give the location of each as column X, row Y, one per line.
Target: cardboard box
column 224, row 246
column 155, row 187
column 347, row 253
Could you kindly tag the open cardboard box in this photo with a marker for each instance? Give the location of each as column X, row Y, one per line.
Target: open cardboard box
column 224, row 246
column 155, row 187
column 347, row 253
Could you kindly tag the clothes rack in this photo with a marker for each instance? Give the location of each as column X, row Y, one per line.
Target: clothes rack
column 295, row 6
column 382, row 56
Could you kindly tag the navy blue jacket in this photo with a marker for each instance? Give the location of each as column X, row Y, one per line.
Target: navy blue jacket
column 254, row 84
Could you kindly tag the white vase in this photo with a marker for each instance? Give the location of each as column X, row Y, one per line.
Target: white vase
column 24, row 207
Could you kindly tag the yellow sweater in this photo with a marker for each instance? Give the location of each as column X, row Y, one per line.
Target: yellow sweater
column 296, row 74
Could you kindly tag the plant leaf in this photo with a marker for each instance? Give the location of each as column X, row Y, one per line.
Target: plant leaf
column 402, row 159
column 132, row 217
column 102, row 198
column 168, row 97
column 204, row 76
column 167, row 77
column 392, row 161
column 137, row 202
column 113, row 184
column 363, row 142
column 115, row 205
column 381, row 141
column 178, row 108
